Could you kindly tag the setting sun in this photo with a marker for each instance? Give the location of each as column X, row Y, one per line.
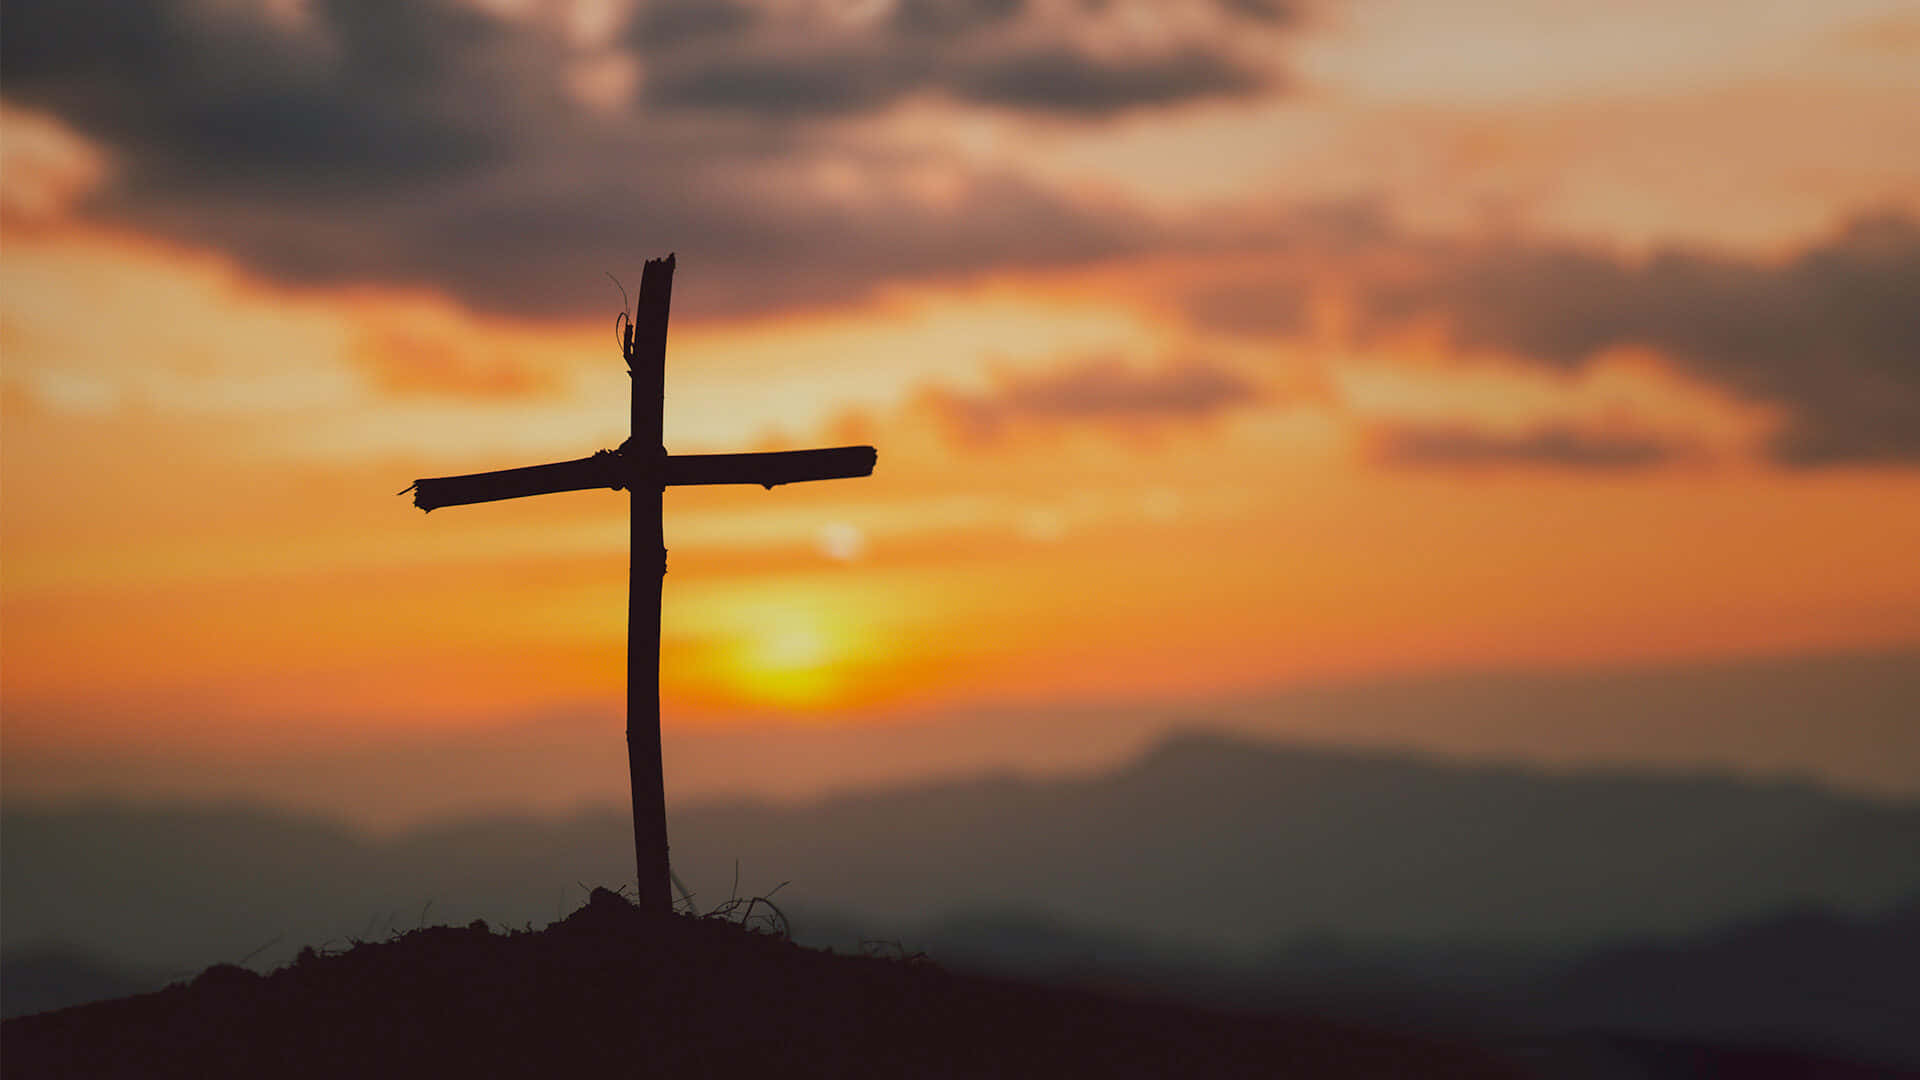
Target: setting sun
column 786, row 658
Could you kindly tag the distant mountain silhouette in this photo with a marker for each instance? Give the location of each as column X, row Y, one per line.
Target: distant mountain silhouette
column 43, row 978
column 1805, row 978
column 1224, row 841
column 1206, row 841
column 1826, row 984
column 610, row 991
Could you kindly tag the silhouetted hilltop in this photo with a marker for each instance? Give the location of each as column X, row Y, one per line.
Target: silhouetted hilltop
column 609, row 991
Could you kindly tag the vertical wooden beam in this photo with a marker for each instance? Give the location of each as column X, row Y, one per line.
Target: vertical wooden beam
column 648, row 364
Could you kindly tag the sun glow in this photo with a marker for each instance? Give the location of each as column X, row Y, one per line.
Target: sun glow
column 788, row 660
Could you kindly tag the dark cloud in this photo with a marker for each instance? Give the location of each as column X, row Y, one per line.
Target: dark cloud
column 948, row 17
column 1100, row 392
column 500, row 250
column 1558, row 446
column 662, row 25
column 826, row 82
column 976, row 51
column 851, row 79
column 1271, row 11
column 197, row 97
column 1065, row 80
column 1831, row 335
column 431, row 144
column 1249, row 308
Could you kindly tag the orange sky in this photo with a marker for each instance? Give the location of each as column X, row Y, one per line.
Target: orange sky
column 1565, row 339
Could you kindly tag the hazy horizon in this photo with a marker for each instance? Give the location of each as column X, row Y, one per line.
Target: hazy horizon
column 1366, row 846
column 1840, row 722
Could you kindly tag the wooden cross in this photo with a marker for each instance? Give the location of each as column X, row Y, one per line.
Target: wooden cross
column 643, row 466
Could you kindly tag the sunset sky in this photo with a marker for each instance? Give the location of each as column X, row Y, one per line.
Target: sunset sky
column 1212, row 350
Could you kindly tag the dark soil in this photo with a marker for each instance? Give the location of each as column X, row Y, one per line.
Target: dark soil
column 613, row 992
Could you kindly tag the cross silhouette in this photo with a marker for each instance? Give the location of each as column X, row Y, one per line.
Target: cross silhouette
column 642, row 466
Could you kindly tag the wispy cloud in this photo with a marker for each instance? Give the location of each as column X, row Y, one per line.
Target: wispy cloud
column 1101, row 392
column 1558, row 446
column 1829, row 335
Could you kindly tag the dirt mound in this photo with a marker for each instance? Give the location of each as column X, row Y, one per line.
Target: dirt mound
column 621, row 993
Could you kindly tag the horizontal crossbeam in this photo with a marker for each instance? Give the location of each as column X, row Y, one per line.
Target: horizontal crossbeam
column 605, row 469
column 779, row 467
column 617, row 469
